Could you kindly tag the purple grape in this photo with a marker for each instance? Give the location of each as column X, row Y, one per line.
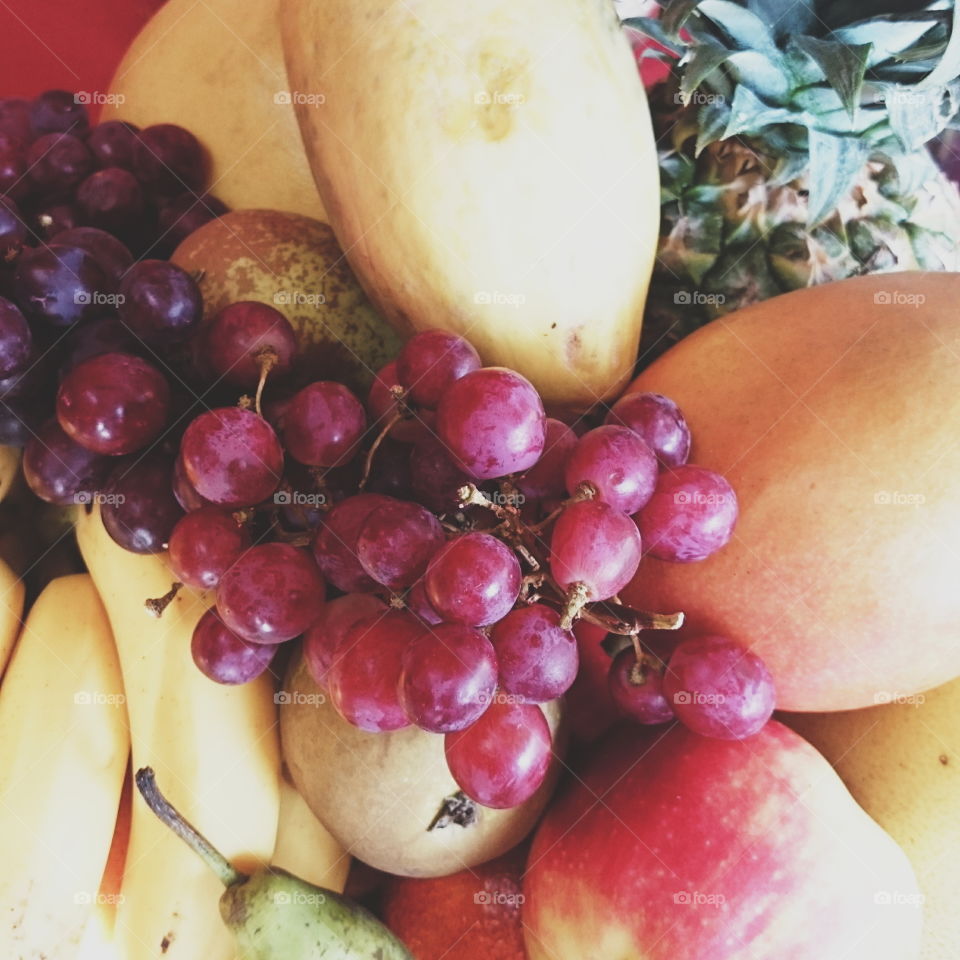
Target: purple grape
column 236, row 337
column 545, row 478
column 538, row 659
column 137, row 504
column 159, row 301
column 16, row 340
column 396, row 542
column 690, row 516
column 112, row 200
column 659, row 421
column 718, row 688
column 335, row 545
column 323, row 424
column 184, row 491
column 57, row 163
column 112, row 256
column 320, row 641
column 46, row 221
column 13, row 230
column 168, row 160
column 636, row 688
column 59, row 111
column 184, row 214
column 18, row 422
column 59, row 470
column 204, row 545
column 14, row 182
column 59, row 284
column 223, row 656
column 419, row 605
column 111, row 144
column 431, row 360
column 104, row 335
column 617, row 463
column 434, row 477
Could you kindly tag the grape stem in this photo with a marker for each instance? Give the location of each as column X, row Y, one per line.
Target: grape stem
column 156, row 605
column 627, row 622
column 585, row 491
column 576, row 599
column 268, row 359
column 398, row 415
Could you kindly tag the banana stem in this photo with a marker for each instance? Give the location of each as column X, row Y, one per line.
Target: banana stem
column 170, row 817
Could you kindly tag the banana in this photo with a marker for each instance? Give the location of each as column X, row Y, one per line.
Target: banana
column 11, row 610
column 63, row 753
column 9, row 469
column 216, row 747
column 305, row 847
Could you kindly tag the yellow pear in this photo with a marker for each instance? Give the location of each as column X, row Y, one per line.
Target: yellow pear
column 901, row 762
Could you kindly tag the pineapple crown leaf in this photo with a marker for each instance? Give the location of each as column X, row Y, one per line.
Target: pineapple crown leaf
column 835, row 162
column 843, row 65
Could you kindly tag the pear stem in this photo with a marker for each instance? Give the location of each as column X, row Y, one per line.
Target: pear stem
column 170, row 817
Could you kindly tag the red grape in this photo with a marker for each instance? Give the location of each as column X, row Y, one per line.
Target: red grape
column 14, row 182
column 235, row 337
column 58, row 470
column 546, row 477
column 538, row 659
column 396, row 541
column 271, row 594
column 232, row 457
column 111, row 143
column 16, row 340
column 335, row 545
column 718, row 688
column 431, row 360
column 204, row 545
column 106, row 334
column 138, row 508
column 59, row 283
column 56, row 111
column 323, row 424
column 111, row 199
column 420, row 606
column 321, row 640
column 184, row 214
column 502, row 759
column 159, row 301
column 474, row 580
column 434, row 476
column 365, row 673
column 183, row 489
column 382, row 406
column 617, row 463
column 492, row 422
column 111, row 255
column 57, row 162
column 168, row 159
column 636, row 687
column 692, row 514
column 50, row 219
column 114, row 403
column 595, row 545
column 659, row 421
column 223, row 656
column 449, row 677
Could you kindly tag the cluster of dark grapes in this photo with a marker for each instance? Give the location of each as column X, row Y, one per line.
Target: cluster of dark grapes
column 78, row 207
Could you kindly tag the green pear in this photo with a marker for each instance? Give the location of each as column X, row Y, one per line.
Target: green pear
column 276, row 916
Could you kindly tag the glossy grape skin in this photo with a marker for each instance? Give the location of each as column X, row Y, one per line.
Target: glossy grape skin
column 14, row 183
column 138, row 508
column 160, row 302
column 718, row 688
column 617, row 463
column 13, row 230
column 474, row 580
column 637, row 689
column 322, row 639
column 431, row 360
column 449, row 677
column 335, row 545
column 55, row 111
column 204, row 545
column 492, row 422
column 235, row 336
column 111, row 199
column 659, row 421
column 594, row 544
column 396, row 541
column 113, row 403
column 183, row 490
column 502, row 760
column 57, row 163
column 106, row 334
column 545, row 478
column 184, row 214
column 223, row 656
column 364, row 676
column 434, row 477
column 168, row 159
column 271, row 594
column 538, row 659
column 111, row 144
column 232, row 457
column 419, row 605
column 111, row 254
column 48, row 220
column 59, row 284
column 57, row 469
column 691, row 515
column 16, row 340
column 323, row 424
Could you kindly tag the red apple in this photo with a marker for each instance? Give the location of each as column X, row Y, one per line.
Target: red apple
column 470, row 915
column 671, row 846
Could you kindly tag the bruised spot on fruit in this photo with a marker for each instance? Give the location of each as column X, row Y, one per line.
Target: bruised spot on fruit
column 502, row 90
column 574, row 347
column 944, row 759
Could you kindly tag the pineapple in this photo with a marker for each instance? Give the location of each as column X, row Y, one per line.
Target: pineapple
column 792, row 141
